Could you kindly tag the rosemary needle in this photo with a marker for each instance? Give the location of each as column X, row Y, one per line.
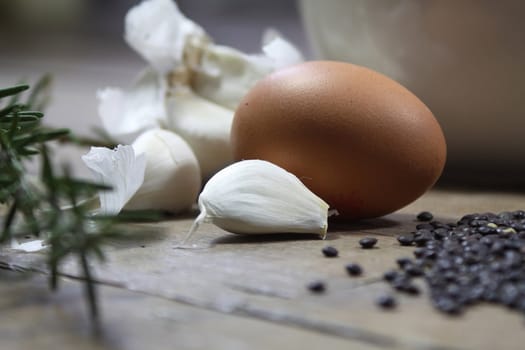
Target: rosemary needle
column 56, row 210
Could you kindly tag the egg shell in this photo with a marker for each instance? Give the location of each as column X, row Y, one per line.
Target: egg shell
column 356, row 138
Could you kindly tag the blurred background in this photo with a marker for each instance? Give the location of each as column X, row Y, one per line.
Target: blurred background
column 80, row 42
column 464, row 59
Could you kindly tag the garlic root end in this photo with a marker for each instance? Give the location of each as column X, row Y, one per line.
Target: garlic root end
column 196, row 223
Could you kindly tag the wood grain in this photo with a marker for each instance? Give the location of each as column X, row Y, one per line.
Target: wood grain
column 250, row 291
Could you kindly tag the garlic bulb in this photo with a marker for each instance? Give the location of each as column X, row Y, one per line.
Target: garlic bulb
column 256, row 196
column 172, row 178
column 204, row 125
column 192, row 86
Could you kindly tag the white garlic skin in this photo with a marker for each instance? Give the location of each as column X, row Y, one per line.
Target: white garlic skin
column 120, row 168
column 158, row 31
column 125, row 113
column 172, row 178
column 256, row 196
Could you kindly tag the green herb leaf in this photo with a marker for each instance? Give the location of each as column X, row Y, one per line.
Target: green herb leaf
column 14, row 90
column 58, row 209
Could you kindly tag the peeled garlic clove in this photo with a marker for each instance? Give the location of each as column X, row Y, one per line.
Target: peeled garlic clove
column 256, row 196
column 204, row 125
column 172, row 178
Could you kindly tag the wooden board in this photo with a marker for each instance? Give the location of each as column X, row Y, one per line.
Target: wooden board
column 250, row 292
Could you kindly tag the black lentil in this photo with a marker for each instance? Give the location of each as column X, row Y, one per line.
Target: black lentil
column 413, row 270
column 402, row 262
column 390, row 275
column 386, row 302
column 480, row 258
column 424, row 226
column 406, row 240
column 447, row 305
column 412, row 289
column 354, row 269
column 438, row 224
column 422, row 239
column 330, row 252
column 317, row 287
column 419, row 252
column 404, row 284
column 440, row 233
column 425, row 216
column 368, row 242
column 519, row 214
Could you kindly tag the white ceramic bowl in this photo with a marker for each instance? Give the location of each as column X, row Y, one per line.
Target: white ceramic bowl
column 465, row 59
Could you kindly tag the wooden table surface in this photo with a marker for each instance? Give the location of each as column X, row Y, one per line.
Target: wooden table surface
column 237, row 292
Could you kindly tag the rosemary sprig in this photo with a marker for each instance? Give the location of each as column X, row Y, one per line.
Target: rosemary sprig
column 57, row 209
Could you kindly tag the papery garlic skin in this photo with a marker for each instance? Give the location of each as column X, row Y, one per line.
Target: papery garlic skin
column 119, row 168
column 204, row 125
column 172, row 178
column 126, row 112
column 192, row 86
column 225, row 75
column 28, row 247
column 159, row 32
column 256, row 196
column 280, row 51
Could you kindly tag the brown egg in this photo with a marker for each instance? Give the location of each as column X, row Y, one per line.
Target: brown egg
column 359, row 140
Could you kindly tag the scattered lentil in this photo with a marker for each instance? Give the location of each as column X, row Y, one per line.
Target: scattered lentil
column 413, row 270
column 330, row 252
column 402, row 262
column 425, row 216
column 317, row 287
column 386, row 302
column 368, row 242
column 354, row 269
column 481, row 257
column 424, row 226
column 411, row 289
column 421, row 237
column 406, row 240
